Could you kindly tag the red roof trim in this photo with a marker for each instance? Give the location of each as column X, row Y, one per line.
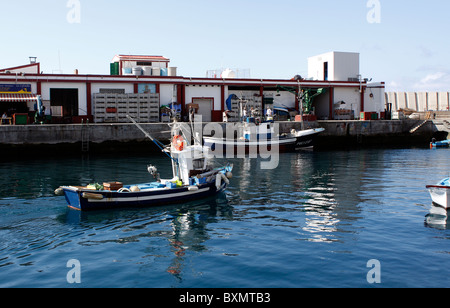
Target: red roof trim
column 177, row 80
column 19, row 67
column 138, row 57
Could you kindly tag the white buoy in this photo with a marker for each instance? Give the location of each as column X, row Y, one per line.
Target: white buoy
column 224, row 178
column 218, row 180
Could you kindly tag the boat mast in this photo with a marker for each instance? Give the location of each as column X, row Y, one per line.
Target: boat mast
column 300, row 99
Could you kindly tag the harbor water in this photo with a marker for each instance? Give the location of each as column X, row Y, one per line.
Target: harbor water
column 358, row 218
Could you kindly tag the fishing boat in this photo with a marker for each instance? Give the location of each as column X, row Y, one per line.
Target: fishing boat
column 262, row 138
column 440, row 193
column 193, row 178
column 439, row 144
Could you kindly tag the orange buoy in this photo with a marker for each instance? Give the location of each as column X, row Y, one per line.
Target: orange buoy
column 178, row 142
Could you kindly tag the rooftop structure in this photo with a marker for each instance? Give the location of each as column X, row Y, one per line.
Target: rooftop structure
column 139, row 65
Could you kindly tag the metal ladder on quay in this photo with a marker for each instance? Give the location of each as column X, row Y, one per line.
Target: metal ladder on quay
column 85, row 136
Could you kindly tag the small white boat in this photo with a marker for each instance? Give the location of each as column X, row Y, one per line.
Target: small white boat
column 440, row 193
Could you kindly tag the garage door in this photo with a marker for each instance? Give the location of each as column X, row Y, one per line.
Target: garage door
column 204, row 108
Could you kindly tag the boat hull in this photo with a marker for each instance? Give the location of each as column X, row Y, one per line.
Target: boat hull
column 88, row 200
column 440, row 195
column 282, row 144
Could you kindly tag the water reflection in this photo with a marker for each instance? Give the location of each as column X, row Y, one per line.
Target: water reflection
column 31, row 179
column 184, row 227
column 320, row 193
column 310, row 197
column 437, row 218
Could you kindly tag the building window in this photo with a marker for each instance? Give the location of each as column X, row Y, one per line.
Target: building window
column 144, row 64
column 115, row 91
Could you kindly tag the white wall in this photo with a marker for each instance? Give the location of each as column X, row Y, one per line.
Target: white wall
column 166, row 92
column 419, row 101
column 286, row 99
column 351, row 97
column 315, row 66
column 204, row 91
column 33, row 69
column 346, row 65
column 82, row 100
column 341, row 66
column 376, row 101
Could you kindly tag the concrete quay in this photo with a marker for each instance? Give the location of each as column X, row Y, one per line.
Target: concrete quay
column 377, row 133
column 337, row 134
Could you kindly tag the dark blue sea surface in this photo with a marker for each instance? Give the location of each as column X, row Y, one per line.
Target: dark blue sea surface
column 315, row 221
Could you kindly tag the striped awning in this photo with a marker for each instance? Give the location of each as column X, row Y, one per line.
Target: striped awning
column 17, row 97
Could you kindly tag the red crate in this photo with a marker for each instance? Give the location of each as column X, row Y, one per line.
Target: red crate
column 365, row 116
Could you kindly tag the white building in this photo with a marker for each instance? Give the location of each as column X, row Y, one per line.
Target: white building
column 74, row 97
column 345, row 67
column 334, row 66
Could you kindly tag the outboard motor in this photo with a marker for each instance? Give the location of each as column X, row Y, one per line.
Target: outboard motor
column 154, row 172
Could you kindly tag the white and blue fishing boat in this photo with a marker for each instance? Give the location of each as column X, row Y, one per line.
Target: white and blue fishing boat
column 440, row 193
column 193, row 178
column 262, row 137
column 255, row 136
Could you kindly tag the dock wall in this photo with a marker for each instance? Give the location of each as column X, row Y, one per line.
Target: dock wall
column 337, row 133
column 72, row 133
column 375, row 133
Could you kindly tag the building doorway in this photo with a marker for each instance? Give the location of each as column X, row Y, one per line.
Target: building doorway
column 67, row 99
column 204, row 107
column 325, row 71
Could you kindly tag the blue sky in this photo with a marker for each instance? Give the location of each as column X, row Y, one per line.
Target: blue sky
column 408, row 49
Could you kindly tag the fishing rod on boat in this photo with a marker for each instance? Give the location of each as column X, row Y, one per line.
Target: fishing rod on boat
column 155, row 141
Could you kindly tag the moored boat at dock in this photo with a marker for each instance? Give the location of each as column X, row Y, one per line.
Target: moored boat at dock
column 261, row 138
column 440, row 193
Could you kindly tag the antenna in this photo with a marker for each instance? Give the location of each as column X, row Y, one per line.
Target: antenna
column 59, row 60
column 59, row 70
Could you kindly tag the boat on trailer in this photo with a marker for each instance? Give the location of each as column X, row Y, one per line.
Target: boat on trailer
column 193, row 178
column 440, row 193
